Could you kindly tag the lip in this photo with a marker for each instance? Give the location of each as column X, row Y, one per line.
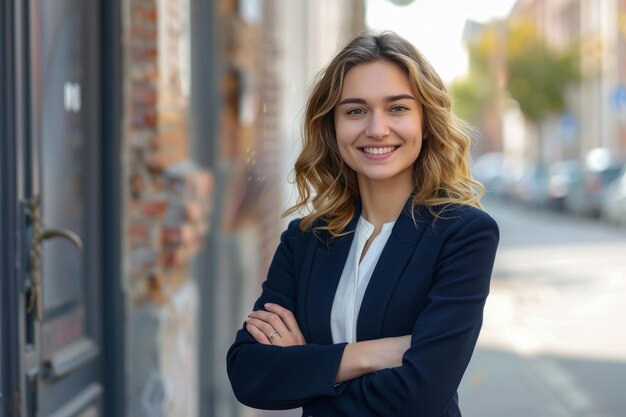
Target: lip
column 378, row 157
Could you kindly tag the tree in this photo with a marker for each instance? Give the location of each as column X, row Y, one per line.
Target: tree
column 477, row 92
column 512, row 58
column 538, row 75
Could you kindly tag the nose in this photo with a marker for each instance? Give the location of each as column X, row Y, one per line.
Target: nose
column 378, row 126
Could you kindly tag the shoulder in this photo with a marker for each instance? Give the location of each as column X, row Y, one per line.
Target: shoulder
column 294, row 234
column 452, row 219
column 293, row 230
column 294, row 226
column 296, row 243
column 316, row 231
column 463, row 232
column 462, row 214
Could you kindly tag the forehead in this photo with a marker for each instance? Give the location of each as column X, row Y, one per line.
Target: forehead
column 375, row 79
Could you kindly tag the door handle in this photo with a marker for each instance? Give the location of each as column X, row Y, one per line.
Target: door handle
column 62, row 233
column 35, row 302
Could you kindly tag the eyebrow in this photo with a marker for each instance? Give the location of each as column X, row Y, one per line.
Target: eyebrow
column 354, row 100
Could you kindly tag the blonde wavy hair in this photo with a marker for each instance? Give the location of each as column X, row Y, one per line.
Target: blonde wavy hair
column 327, row 187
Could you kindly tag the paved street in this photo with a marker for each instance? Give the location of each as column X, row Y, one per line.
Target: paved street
column 554, row 338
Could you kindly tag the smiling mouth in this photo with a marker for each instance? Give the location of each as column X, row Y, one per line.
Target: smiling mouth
column 379, row 150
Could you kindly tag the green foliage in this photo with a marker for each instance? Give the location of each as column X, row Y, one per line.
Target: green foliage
column 472, row 96
column 475, row 94
column 537, row 75
column 513, row 58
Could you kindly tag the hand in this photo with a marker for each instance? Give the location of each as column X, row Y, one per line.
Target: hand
column 274, row 326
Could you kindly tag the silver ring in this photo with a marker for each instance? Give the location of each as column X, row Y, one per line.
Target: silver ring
column 271, row 336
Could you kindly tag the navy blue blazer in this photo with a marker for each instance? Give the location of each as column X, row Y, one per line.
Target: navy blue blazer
column 431, row 281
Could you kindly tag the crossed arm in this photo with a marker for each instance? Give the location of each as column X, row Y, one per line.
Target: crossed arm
column 277, row 326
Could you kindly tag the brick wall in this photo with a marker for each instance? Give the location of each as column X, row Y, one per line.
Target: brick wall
column 167, row 206
column 168, row 196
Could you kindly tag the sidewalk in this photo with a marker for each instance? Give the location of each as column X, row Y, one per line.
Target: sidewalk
column 499, row 383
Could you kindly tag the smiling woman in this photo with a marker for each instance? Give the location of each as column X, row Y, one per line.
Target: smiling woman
column 374, row 299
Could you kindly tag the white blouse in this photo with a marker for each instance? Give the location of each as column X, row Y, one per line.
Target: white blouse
column 354, row 279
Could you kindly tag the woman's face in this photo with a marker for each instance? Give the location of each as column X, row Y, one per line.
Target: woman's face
column 378, row 123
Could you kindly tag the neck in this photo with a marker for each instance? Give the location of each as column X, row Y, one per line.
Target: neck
column 383, row 201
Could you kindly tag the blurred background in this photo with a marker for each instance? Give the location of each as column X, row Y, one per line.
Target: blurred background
column 145, row 151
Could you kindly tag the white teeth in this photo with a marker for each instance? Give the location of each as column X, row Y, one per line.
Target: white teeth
column 379, row 151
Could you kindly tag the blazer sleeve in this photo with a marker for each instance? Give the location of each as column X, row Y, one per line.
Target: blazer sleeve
column 274, row 377
column 443, row 337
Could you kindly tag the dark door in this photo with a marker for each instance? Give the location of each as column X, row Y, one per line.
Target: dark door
column 58, row 194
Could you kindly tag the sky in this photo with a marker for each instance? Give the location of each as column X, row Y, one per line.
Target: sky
column 435, row 27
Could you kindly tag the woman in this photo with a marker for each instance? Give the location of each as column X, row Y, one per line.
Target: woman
column 374, row 299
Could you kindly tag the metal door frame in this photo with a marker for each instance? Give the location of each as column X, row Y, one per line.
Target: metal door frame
column 6, row 170
column 113, row 298
column 14, row 126
column 25, row 341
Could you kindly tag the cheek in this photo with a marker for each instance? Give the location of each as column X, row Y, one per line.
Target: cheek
column 419, row 152
column 345, row 134
column 344, row 146
column 418, row 138
column 418, row 149
column 344, row 152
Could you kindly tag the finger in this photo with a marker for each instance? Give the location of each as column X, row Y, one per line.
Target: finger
column 286, row 316
column 274, row 320
column 266, row 328
column 258, row 335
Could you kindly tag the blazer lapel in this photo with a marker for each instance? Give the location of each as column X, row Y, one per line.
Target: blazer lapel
column 392, row 262
column 324, row 277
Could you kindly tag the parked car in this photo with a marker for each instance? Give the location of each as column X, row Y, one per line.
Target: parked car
column 497, row 173
column 562, row 175
column 530, row 187
column 488, row 169
column 613, row 206
column 586, row 195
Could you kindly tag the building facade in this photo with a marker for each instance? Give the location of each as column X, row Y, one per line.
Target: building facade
column 595, row 116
